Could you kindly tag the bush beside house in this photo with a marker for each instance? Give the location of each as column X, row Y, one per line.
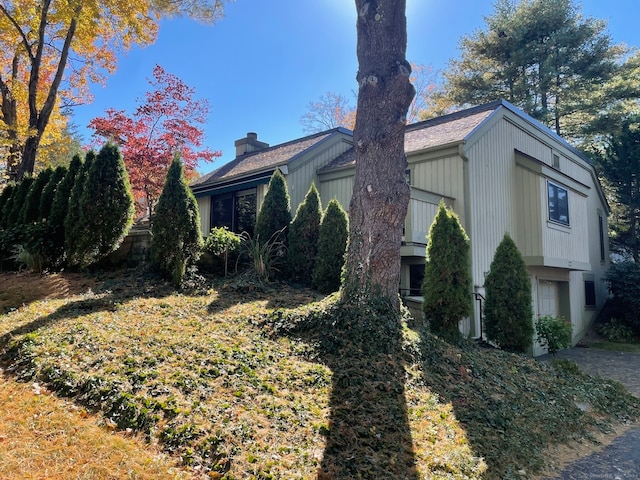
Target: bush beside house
column 303, row 237
column 507, row 309
column 332, row 244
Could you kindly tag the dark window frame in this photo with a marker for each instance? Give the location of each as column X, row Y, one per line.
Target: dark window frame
column 558, row 204
column 590, row 293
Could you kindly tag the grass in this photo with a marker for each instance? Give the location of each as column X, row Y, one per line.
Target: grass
column 44, row 437
column 266, row 383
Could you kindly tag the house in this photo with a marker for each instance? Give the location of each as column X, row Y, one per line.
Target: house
column 499, row 169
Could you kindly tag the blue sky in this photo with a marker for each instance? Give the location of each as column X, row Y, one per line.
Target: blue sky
column 263, row 63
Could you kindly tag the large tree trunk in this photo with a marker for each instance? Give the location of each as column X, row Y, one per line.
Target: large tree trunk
column 381, row 194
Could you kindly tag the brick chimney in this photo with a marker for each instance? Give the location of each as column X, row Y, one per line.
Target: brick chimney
column 249, row 144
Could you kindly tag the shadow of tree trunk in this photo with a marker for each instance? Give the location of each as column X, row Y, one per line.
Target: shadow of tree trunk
column 368, row 433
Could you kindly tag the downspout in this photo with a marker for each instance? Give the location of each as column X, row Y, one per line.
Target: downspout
column 466, row 187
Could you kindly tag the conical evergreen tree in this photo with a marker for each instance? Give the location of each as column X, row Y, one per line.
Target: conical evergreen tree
column 447, row 284
column 30, row 211
column 275, row 212
column 49, row 191
column 5, row 196
column 106, row 207
column 507, row 309
column 59, row 209
column 177, row 240
column 13, row 208
column 73, row 228
column 303, row 237
column 332, row 244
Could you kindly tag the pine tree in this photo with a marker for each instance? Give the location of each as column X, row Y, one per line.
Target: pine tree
column 275, row 212
column 507, row 309
column 303, row 237
column 176, row 241
column 49, row 191
column 447, row 284
column 30, row 211
column 106, row 207
column 332, row 244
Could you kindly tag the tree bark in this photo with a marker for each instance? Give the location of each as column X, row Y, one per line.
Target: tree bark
column 381, row 194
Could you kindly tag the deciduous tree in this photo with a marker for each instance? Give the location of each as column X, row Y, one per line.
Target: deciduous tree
column 380, row 192
column 169, row 120
column 50, row 49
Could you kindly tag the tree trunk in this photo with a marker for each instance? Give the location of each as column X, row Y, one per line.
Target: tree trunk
column 380, row 194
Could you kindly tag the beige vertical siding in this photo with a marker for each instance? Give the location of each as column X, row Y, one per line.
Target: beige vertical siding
column 204, row 206
column 529, row 215
column 303, row 171
column 422, row 215
column 443, row 176
column 338, row 188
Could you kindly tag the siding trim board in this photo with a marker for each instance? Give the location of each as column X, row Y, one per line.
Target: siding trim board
column 536, row 166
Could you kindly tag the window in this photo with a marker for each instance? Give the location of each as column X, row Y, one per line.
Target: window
column 235, row 210
column 601, row 232
column 556, row 161
column 589, row 293
column 558, row 204
column 416, row 276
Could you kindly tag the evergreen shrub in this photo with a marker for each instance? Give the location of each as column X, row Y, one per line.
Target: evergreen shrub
column 507, row 309
column 275, row 212
column 447, row 284
column 175, row 227
column 303, row 237
column 332, row 244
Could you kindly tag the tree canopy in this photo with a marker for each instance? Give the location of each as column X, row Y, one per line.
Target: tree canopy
column 169, row 120
column 542, row 55
column 50, row 50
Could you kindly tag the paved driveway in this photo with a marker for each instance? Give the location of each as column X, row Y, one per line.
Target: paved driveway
column 621, row 459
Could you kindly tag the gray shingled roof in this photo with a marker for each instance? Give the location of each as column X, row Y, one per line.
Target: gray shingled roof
column 270, row 157
column 439, row 131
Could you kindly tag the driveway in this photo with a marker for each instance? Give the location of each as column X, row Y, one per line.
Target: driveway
column 620, row 460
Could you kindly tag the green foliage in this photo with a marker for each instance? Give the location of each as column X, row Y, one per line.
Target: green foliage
column 74, row 229
column 221, row 243
column 624, row 286
column 447, row 284
column 619, row 164
column 49, row 192
column 275, row 212
column 106, row 207
column 507, row 309
column 303, row 237
column 553, row 332
column 177, row 242
column 332, row 244
column 616, row 330
column 265, row 258
column 13, row 207
column 59, row 209
column 5, row 196
column 543, row 56
column 30, row 211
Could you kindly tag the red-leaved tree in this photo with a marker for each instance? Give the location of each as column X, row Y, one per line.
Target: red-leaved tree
column 169, row 120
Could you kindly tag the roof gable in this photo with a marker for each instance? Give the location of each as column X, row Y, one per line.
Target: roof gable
column 265, row 159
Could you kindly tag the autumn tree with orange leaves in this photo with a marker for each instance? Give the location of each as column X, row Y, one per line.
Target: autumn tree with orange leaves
column 169, row 120
column 51, row 49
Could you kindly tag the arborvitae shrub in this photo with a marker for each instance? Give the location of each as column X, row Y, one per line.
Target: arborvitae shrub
column 30, row 211
column 74, row 230
column 58, row 213
column 303, row 237
column 447, row 284
column 332, row 243
column 49, row 191
column 175, row 227
column 275, row 212
column 507, row 308
column 16, row 202
column 6, row 194
column 106, row 207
